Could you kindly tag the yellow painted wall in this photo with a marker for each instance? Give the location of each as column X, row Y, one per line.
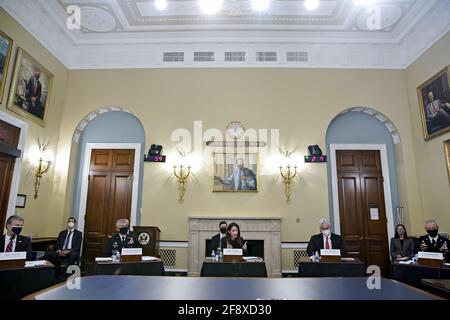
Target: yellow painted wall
column 38, row 216
column 430, row 157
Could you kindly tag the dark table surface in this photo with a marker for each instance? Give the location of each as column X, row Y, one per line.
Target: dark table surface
column 412, row 274
column 343, row 268
column 186, row 288
column 233, row 269
column 16, row 283
column 142, row 268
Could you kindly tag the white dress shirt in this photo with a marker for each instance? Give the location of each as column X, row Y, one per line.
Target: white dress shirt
column 7, row 240
column 435, row 239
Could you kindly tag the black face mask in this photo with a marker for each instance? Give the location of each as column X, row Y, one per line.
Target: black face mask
column 16, row 230
column 223, row 230
column 123, row 230
column 432, row 233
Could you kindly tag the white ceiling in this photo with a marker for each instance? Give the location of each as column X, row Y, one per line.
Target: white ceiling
column 134, row 34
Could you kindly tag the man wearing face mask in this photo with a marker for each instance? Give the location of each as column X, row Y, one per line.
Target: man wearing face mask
column 215, row 241
column 68, row 245
column 433, row 242
column 12, row 241
column 123, row 238
column 324, row 240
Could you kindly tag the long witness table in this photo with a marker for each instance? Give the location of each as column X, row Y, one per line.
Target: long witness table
column 142, row 268
column 343, row 268
column 16, row 283
column 233, row 269
column 413, row 273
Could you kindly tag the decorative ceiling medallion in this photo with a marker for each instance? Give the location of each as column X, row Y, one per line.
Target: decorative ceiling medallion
column 97, row 20
column 389, row 15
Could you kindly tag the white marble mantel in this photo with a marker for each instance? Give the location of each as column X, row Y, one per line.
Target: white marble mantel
column 252, row 228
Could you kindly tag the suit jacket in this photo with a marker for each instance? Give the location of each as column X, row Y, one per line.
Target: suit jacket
column 115, row 243
column 22, row 244
column 215, row 243
column 33, row 92
column 77, row 238
column 407, row 250
column 316, row 243
column 440, row 241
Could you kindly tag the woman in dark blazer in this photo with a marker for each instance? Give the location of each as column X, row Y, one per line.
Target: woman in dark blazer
column 233, row 239
column 402, row 247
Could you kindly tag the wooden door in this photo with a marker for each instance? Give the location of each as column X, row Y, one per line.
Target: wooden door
column 109, row 197
column 362, row 207
column 6, row 174
column 9, row 140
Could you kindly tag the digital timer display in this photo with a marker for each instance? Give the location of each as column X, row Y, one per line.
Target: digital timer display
column 150, row 158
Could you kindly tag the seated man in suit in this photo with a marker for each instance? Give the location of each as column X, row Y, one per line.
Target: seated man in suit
column 123, row 238
column 12, row 241
column 433, row 242
column 68, row 245
column 215, row 241
column 324, row 240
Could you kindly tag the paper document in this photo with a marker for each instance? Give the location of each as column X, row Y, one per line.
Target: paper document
column 406, row 262
column 35, row 263
column 149, row 258
column 103, row 259
column 347, row 259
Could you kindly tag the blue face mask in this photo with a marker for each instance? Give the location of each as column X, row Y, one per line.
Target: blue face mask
column 17, row 230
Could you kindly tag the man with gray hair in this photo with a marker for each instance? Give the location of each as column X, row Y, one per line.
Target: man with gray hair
column 433, row 242
column 12, row 241
column 123, row 238
column 324, row 240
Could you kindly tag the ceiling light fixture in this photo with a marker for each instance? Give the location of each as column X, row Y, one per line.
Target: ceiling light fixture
column 260, row 5
column 210, row 6
column 161, row 4
column 311, row 4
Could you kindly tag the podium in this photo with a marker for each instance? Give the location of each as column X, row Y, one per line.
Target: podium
column 148, row 238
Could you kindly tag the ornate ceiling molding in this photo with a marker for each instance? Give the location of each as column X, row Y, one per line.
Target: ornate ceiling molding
column 111, row 37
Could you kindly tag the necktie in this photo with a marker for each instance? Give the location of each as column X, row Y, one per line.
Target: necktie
column 66, row 242
column 327, row 244
column 433, row 243
column 10, row 245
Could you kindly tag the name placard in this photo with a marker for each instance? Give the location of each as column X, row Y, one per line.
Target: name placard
column 330, row 252
column 430, row 255
column 22, row 255
column 232, row 252
column 132, row 252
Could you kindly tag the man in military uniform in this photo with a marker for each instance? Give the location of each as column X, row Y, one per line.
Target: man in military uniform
column 123, row 238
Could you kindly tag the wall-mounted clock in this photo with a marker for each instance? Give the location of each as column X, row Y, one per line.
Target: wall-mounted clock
column 235, row 129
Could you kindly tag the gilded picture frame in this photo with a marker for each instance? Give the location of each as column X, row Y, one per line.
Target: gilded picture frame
column 447, row 156
column 235, row 172
column 31, row 88
column 6, row 45
column 434, row 104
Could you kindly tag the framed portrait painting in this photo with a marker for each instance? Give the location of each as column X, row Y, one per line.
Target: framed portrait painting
column 434, row 103
column 30, row 89
column 6, row 44
column 235, row 172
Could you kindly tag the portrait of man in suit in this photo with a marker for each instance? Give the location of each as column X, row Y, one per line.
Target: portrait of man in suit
column 236, row 175
column 33, row 93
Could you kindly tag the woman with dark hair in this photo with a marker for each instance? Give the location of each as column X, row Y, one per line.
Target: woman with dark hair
column 233, row 239
column 402, row 247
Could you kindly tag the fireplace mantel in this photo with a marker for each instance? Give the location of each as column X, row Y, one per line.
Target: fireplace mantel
column 252, row 228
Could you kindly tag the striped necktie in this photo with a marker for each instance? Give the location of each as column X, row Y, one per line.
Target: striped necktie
column 10, row 244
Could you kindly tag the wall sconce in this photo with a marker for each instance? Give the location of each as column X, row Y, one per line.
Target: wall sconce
column 288, row 173
column 182, row 173
column 42, row 168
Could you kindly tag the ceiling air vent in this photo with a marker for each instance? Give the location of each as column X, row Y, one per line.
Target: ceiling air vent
column 235, row 56
column 173, row 57
column 266, row 56
column 297, row 56
column 203, row 56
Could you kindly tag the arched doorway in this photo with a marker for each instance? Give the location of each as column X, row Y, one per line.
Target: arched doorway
column 363, row 182
column 108, row 182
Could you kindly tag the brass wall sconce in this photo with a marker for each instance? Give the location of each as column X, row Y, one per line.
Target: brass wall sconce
column 288, row 174
column 182, row 173
column 42, row 168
